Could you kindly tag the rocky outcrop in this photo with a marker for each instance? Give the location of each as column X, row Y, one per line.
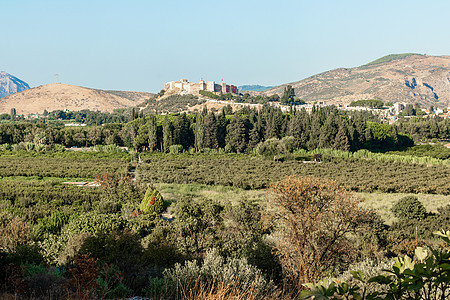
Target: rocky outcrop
column 10, row 84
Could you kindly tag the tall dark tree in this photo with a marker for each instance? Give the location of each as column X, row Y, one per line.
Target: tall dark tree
column 341, row 140
column 152, row 133
column 13, row 113
column 237, row 134
column 199, row 132
column 328, row 132
column 167, row 134
column 182, row 132
column 210, row 131
column 221, row 128
column 288, row 95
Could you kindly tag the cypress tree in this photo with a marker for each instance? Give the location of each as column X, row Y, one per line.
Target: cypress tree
column 167, row 134
column 199, row 132
column 210, row 129
column 152, row 132
column 221, row 129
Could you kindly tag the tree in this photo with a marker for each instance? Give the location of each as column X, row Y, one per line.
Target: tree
column 237, row 134
column 199, row 132
column 152, row 132
column 13, row 114
column 182, row 134
column 221, row 128
column 409, row 207
column 210, row 131
column 341, row 141
column 167, row 134
column 288, row 95
column 313, row 220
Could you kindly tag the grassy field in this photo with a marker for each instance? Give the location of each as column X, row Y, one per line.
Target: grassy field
column 382, row 202
column 379, row 202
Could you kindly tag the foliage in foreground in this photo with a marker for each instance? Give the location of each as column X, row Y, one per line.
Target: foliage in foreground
column 427, row 276
column 317, row 223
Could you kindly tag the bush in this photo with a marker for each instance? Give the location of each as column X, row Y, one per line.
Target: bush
column 409, row 207
column 50, row 224
column 152, row 203
column 315, row 222
column 271, row 147
column 26, row 254
column 175, row 149
column 233, row 274
column 113, row 247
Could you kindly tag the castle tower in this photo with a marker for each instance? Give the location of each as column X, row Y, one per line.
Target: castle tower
column 202, row 84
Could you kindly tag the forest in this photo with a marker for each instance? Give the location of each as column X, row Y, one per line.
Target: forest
column 220, row 204
column 238, row 132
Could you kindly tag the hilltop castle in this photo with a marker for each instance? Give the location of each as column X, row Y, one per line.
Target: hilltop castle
column 194, row 88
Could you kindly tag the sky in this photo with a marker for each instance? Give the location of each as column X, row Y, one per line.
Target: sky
column 138, row 45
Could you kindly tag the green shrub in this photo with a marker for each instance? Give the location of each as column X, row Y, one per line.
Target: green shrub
column 175, row 149
column 110, row 283
column 50, row 224
column 26, row 253
column 152, row 203
column 409, row 207
column 271, row 147
column 113, row 247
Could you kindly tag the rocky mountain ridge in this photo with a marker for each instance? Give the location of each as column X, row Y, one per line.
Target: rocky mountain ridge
column 408, row 78
column 10, row 84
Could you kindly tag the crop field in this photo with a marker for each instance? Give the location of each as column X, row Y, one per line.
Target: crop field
column 359, row 175
column 75, row 166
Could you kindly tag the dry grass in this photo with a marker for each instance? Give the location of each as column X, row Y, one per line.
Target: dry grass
column 172, row 192
column 383, row 202
column 380, row 202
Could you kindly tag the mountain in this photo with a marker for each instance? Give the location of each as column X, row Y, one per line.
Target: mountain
column 409, row 78
column 254, row 88
column 10, row 84
column 71, row 97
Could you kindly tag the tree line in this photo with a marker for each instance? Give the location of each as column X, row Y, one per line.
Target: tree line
column 238, row 132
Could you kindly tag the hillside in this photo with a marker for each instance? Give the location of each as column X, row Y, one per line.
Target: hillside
column 10, row 84
column 254, row 88
column 408, row 78
column 74, row 98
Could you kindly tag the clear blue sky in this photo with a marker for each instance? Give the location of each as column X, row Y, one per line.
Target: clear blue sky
column 138, row 45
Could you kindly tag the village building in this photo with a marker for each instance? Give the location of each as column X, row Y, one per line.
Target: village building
column 184, row 86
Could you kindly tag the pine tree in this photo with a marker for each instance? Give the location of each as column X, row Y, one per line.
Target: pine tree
column 327, row 132
column 237, row 134
column 341, row 141
column 182, row 132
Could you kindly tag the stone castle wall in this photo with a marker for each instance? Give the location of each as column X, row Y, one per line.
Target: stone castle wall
column 184, row 86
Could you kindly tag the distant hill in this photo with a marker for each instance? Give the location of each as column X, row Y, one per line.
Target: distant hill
column 74, row 98
column 409, row 78
column 10, row 84
column 254, row 88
